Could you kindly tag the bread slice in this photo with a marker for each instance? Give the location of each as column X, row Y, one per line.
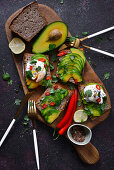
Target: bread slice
column 27, row 57
column 64, row 102
column 29, row 22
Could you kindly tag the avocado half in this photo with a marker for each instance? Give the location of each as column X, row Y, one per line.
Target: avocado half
column 41, row 45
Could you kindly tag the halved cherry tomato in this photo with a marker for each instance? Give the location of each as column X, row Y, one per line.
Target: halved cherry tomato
column 47, row 93
column 61, row 53
column 44, row 106
column 48, row 78
column 30, row 67
column 98, row 87
column 52, row 104
column 56, row 87
column 98, row 100
column 45, row 65
column 42, row 59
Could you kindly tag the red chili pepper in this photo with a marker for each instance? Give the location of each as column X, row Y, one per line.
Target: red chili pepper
column 75, row 81
column 47, row 93
column 48, row 78
column 61, row 53
column 42, row 59
column 61, row 131
column 98, row 87
column 56, row 87
column 68, row 113
column 30, row 67
column 52, row 104
column 44, row 106
column 45, row 65
column 98, row 100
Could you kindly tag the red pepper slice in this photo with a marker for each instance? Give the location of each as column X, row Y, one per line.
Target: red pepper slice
column 75, row 81
column 48, row 78
column 44, row 106
column 52, row 104
column 98, row 100
column 68, row 113
column 98, row 87
column 61, row 53
column 56, row 87
column 42, row 59
column 61, row 131
column 47, row 93
column 30, row 67
column 45, row 65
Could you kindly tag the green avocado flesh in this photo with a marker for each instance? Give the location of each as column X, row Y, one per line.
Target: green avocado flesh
column 92, row 109
column 31, row 83
column 71, row 66
column 50, row 113
column 41, row 45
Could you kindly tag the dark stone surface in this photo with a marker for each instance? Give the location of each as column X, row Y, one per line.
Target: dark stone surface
column 17, row 151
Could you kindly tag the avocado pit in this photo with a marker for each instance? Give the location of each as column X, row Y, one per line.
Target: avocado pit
column 54, row 35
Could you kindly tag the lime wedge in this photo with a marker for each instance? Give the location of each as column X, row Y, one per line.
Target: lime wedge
column 17, row 46
column 80, row 116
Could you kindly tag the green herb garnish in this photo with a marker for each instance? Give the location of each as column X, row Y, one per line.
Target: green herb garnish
column 25, row 123
column 84, row 33
column 77, row 36
column 26, row 118
column 72, row 57
column 17, row 102
column 61, row 1
column 78, row 103
column 103, row 106
column 33, row 61
column 106, row 76
column 52, row 91
column 10, row 82
column 29, row 74
column 71, row 39
column 88, row 93
column 100, row 39
column 54, row 79
column 51, row 66
column 5, row 76
column 38, row 68
column 52, row 46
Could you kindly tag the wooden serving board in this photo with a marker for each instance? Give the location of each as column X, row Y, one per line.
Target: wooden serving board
column 88, row 153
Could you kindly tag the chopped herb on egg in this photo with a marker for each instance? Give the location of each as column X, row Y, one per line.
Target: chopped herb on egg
column 38, row 68
column 29, row 74
column 88, row 93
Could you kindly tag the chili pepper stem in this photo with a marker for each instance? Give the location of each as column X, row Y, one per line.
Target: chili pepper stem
column 56, row 137
column 54, row 131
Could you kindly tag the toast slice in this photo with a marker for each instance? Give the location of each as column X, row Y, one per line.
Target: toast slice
column 27, row 57
column 28, row 22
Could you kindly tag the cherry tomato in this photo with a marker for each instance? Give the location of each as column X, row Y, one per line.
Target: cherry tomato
column 30, row 67
column 56, row 87
column 45, row 65
column 44, row 106
column 47, row 93
column 98, row 87
column 48, row 78
column 98, row 100
column 42, row 59
column 61, row 53
column 52, row 104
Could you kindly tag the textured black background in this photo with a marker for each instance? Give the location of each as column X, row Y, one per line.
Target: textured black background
column 17, row 151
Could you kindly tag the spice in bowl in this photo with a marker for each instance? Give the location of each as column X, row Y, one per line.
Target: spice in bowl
column 78, row 133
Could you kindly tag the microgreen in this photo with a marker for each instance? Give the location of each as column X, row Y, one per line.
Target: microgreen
column 106, row 75
column 51, row 66
column 38, row 68
column 52, row 91
column 10, row 82
column 5, row 76
column 29, row 74
column 103, row 106
column 54, row 79
column 77, row 36
column 84, row 33
column 88, row 93
column 26, row 118
column 61, row 1
column 17, row 102
column 71, row 39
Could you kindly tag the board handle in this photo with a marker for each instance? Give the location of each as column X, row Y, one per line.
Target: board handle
column 88, row 153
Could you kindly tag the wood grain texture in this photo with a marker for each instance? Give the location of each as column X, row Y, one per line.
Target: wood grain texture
column 87, row 153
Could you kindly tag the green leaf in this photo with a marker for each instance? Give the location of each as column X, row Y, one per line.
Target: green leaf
column 51, row 67
column 106, row 75
column 84, row 33
column 38, row 68
column 17, row 102
column 10, row 82
column 54, row 79
column 71, row 39
column 72, row 57
column 33, row 61
column 29, row 74
column 78, row 103
column 61, row 1
column 49, row 83
column 88, row 93
column 103, row 106
column 63, row 91
column 52, row 46
column 25, row 123
column 5, row 76
column 52, row 91
column 100, row 39
column 77, row 36
column 26, row 118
